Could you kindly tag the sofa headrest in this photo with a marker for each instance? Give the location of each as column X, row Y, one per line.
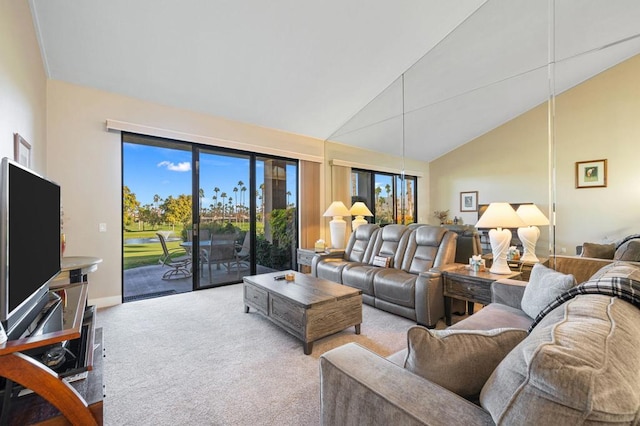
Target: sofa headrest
column 393, row 232
column 364, row 232
column 430, row 235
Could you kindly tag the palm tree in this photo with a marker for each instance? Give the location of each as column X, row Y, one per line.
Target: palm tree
column 223, row 196
column 243, row 190
column 378, row 190
column 288, row 195
column 240, row 185
column 262, row 201
column 235, row 190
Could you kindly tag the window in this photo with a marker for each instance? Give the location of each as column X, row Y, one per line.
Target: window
column 390, row 198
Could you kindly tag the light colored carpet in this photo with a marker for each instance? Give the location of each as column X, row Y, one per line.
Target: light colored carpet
column 197, row 358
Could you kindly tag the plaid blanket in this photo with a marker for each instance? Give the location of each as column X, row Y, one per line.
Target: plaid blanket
column 622, row 287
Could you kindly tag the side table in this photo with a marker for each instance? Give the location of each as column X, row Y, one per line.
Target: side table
column 474, row 287
column 304, row 259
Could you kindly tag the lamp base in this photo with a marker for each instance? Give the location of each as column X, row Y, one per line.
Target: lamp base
column 500, row 240
column 529, row 236
column 359, row 220
column 338, row 229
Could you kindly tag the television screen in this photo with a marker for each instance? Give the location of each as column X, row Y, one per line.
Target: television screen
column 30, row 236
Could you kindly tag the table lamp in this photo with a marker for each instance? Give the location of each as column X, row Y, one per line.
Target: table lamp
column 500, row 216
column 532, row 217
column 337, row 226
column 359, row 210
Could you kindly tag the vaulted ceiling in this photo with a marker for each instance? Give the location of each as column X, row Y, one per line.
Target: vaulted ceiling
column 419, row 77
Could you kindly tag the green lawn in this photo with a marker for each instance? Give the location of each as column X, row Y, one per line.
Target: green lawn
column 136, row 255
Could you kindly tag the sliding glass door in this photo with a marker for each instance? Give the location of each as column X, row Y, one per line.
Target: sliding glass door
column 230, row 213
column 156, row 203
column 276, row 218
column 224, row 217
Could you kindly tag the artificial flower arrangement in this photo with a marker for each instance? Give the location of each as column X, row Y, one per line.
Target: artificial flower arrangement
column 442, row 215
column 476, row 263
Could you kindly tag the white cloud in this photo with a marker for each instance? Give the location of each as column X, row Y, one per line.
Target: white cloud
column 180, row 167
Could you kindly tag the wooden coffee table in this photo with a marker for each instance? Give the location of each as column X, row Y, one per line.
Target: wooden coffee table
column 309, row 308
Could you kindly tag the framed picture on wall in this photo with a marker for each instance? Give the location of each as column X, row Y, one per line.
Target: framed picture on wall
column 591, row 174
column 21, row 150
column 469, row 201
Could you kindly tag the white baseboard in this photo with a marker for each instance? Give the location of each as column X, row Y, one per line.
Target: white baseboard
column 103, row 302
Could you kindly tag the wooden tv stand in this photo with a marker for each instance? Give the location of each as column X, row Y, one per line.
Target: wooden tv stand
column 44, row 382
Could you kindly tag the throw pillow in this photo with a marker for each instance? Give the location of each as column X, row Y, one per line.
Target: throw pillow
column 459, row 360
column 544, row 286
column 382, row 261
column 629, row 251
column 599, row 251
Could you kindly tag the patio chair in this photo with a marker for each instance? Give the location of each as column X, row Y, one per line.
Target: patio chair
column 177, row 259
column 223, row 250
column 205, row 248
column 242, row 254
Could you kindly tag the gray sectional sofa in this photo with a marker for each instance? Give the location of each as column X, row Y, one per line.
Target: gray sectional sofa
column 397, row 267
column 576, row 362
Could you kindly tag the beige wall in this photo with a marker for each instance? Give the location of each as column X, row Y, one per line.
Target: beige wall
column 22, row 84
column 600, row 119
column 85, row 159
column 596, row 120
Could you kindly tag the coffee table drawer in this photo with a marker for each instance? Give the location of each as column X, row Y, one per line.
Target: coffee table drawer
column 289, row 315
column 257, row 298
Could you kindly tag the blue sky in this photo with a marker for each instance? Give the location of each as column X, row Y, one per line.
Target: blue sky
column 150, row 170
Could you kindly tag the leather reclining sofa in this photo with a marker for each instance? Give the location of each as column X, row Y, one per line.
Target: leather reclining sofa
column 397, row 267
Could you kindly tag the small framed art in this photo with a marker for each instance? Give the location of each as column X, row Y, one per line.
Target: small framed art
column 469, row 201
column 21, row 150
column 591, row 174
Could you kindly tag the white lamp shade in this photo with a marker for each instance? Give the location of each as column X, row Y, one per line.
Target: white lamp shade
column 337, row 208
column 500, row 215
column 359, row 210
column 532, row 216
column 337, row 226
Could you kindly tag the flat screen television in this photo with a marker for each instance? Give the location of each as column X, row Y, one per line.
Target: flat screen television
column 29, row 244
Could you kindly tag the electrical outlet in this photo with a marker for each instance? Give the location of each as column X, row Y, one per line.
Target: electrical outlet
column 563, row 250
column 102, row 227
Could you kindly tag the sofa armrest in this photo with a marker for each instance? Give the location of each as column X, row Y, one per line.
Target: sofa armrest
column 337, row 254
column 359, row 387
column 508, row 292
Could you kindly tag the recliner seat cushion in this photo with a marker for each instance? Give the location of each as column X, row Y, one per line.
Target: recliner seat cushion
column 395, row 286
column 331, row 269
column 579, row 365
column 360, row 276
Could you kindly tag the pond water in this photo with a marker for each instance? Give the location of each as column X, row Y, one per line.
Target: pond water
column 149, row 240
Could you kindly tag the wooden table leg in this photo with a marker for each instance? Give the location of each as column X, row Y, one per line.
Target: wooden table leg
column 357, row 328
column 470, row 306
column 308, row 348
column 447, row 310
